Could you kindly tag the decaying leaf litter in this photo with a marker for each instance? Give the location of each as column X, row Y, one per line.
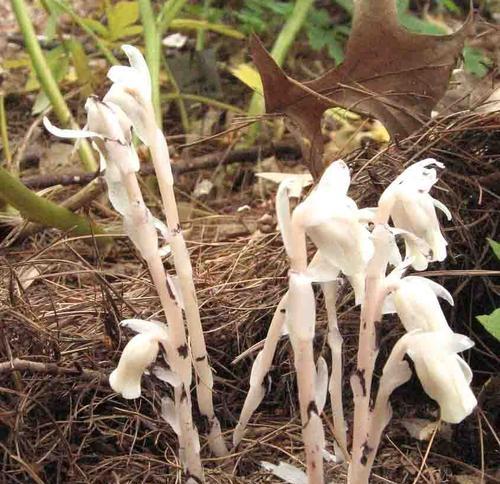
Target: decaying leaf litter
column 52, row 317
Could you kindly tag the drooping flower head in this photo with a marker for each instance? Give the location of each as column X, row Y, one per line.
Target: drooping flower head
column 411, row 208
column 444, row 375
column 415, row 300
column 336, row 226
column 131, row 91
column 139, row 353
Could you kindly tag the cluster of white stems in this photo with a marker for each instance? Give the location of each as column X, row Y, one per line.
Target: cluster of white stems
column 124, row 110
column 358, row 243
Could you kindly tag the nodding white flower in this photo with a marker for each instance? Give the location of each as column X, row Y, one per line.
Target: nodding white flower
column 336, row 226
column 131, row 91
column 411, row 208
column 110, row 131
column 415, row 300
column 445, row 376
column 139, row 353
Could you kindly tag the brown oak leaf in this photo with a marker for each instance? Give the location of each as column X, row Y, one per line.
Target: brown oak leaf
column 388, row 73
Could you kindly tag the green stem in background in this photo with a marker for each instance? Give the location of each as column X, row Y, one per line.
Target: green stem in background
column 204, row 100
column 177, row 96
column 98, row 42
column 152, row 46
column 168, row 13
column 47, row 81
column 282, row 46
column 40, row 210
column 200, row 34
column 4, row 135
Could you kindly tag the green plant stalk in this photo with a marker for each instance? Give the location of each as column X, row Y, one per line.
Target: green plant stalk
column 98, row 42
column 40, row 210
column 168, row 13
column 47, row 81
column 282, row 46
column 153, row 53
column 200, row 34
column 4, row 134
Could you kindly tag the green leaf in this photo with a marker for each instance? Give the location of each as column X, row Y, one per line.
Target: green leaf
column 120, row 17
column 475, row 61
column 491, row 323
column 96, row 27
column 495, row 246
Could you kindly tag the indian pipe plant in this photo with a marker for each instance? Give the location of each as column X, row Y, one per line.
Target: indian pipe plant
column 359, row 244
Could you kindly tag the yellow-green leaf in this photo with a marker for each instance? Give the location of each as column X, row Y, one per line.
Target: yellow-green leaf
column 120, row 16
column 97, row 27
column 495, row 247
column 248, row 75
column 491, row 323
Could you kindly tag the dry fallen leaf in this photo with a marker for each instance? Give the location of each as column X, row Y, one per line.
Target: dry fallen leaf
column 389, row 73
column 422, row 429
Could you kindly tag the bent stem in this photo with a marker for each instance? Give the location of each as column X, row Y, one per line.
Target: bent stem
column 40, row 210
column 260, row 369
column 204, row 378
column 361, row 380
column 335, row 385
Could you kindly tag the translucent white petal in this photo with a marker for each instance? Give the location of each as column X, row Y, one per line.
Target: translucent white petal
column 438, row 290
column 320, row 269
column 388, row 306
column 296, row 181
column 143, row 326
column 169, row 414
column 256, row 375
column 167, row 376
column 287, row 472
column 283, row 215
column 336, row 179
column 68, row 133
column 321, row 384
column 139, row 353
column 138, row 62
column 465, row 369
column 442, row 207
column 175, row 289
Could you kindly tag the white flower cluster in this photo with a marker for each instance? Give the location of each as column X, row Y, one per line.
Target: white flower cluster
column 340, row 232
column 127, row 106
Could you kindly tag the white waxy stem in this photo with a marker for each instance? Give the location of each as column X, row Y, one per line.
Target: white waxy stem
column 301, row 308
column 444, row 375
column 139, row 353
column 411, row 208
column 131, row 92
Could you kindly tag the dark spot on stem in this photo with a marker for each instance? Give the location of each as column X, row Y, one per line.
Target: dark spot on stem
column 177, row 229
column 183, row 350
column 366, row 452
column 183, row 394
column 378, row 334
column 170, row 292
column 312, row 408
column 193, row 477
column 201, row 358
column 283, row 311
column 360, row 373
